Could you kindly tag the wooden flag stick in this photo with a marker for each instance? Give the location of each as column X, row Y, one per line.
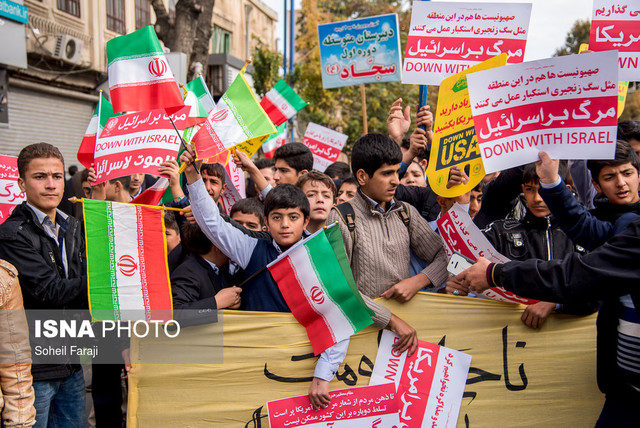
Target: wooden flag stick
column 74, row 200
column 363, row 96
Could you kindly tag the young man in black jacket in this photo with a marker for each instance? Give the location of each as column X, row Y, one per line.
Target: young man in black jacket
column 47, row 248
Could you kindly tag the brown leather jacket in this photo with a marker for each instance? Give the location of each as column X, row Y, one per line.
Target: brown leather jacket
column 16, row 390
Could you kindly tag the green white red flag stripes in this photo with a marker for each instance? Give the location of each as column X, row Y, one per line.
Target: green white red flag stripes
column 275, row 140
column 139, row 74
column 237, row 118
column 316, row 281
column 127, row 269
column 199, row 88
column 100, row 117
column 282, row 103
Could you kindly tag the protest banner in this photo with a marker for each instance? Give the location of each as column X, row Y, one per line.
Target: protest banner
column 459, row 233
column 565, row 106
column 429, row 383
column 10, row 193
column 447, row 38
column 365, row 50
column 454, row 137
column 137, row 143
column 325, row 144
column 615, row 25
column 623, row 85
column 235, row 189
column 515, row 372
column 364, row 407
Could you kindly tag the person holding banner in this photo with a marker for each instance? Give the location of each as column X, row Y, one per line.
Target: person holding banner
column 47, row 248
column 286, row 217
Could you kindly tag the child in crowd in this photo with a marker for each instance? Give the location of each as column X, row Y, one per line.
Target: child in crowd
column 321, row 192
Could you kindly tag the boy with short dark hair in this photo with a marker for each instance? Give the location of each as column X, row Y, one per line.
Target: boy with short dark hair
column 292, row 161
column 338, row 171
column 249, row 213
column 286, row 211
column 347, row 190
column 385, row 229
column 321, row 192
column 47, row 248
column 213, row 176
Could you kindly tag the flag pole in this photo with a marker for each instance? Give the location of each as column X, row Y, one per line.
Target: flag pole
column 74, row 200
column 363, row 97
column 184, row 146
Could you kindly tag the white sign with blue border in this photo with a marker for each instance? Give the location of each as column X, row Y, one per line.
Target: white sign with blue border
column 365, row 50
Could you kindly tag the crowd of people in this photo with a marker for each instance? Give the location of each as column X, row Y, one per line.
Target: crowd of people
column 567, row 226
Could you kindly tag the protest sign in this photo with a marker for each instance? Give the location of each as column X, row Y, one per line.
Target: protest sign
column 447, row 38
column 365, row 50
column 565, row 106
column 615, row 25
column 429, row 383
column 235, row 190
column 325, row 144
column 362, row 407
column 10, row 193
column 623, row 85
column 454, row 138
column 267, row 356
column 459, row 233
column 137, row 143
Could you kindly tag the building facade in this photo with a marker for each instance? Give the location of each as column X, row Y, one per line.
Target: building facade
column 52, row 95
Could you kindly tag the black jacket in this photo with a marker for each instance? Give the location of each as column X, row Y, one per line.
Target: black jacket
column 422, row 198
column 25, row 244
column 536, row 238
column 610, row 271
column 194, row 285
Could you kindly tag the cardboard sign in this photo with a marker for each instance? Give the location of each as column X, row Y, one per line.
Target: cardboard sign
column 325, row 144
column 454, row 139
column 137, row 142
column 10, row 193
column 429, row 383
column 364, row 407
column 615, row 25
column 459, row 233
column 365, row 50
column 447, row 38
column 565, row 106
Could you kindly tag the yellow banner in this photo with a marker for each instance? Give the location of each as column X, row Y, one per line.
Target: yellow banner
column 519, row 376
column 454, row 138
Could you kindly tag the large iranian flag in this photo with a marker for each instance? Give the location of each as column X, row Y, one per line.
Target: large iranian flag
column 238, row 120
column 127, row 269
column 282, row 103
column 139, row 74
column 316, row 281
column 101, row 115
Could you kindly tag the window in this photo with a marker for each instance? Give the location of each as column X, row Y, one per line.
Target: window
column 115, row 15
column 220, row 40
column 143, row 15
column 72, row 7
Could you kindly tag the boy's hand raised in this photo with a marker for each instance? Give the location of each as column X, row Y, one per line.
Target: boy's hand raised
column 398, row 122
column 188, row 158
column 547, row 168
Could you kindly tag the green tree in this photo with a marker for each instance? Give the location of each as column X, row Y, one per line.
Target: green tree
column 578, row 34
column 266, row 64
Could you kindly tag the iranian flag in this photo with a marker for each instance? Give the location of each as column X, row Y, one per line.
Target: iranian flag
column 100, row 117
column 154, row 194
column 282, row 103
column 238, row 120
column 127, row 269
column 139, row 74
column 200, row 90
column 315, row 279
column 275, row 140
